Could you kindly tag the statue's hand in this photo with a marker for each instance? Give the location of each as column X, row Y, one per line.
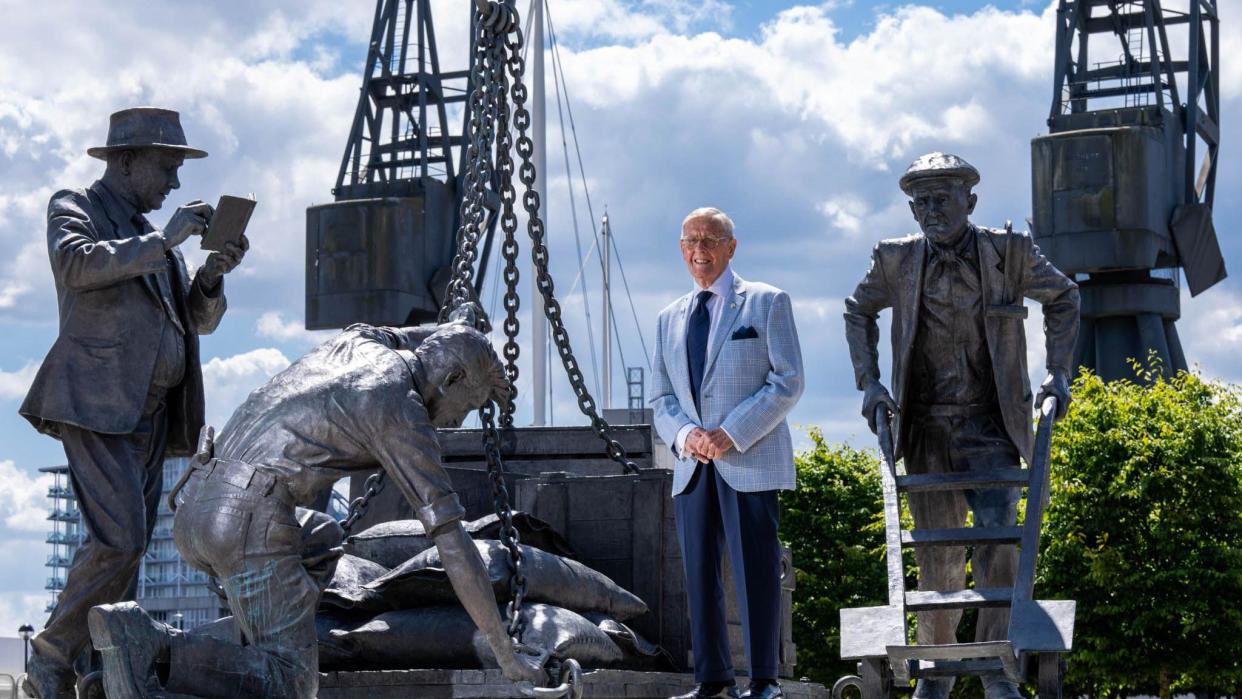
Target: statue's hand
column 471, row 313
column 1057, row 386
column 874, row 394
column 524, row 666
column 190, row 219
column 221, row 263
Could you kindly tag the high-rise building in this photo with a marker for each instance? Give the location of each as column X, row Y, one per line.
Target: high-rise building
column 168, row 588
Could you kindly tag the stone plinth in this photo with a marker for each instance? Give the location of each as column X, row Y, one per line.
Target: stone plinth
column 599, row 684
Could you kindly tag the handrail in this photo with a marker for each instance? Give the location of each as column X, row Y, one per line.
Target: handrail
column 1036, row 500
column 892, row 511
column 12, row 684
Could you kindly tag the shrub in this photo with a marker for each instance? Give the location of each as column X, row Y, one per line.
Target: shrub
column 1145, row 532
column 834, row 525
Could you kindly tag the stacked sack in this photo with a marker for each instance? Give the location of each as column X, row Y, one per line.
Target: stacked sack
column 391, row 606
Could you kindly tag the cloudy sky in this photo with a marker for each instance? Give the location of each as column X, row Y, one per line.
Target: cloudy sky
column 796, row 119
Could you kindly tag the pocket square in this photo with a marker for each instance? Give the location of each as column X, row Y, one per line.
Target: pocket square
column 745, row 333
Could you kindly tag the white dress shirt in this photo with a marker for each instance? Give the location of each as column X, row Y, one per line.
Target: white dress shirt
column 721, row 289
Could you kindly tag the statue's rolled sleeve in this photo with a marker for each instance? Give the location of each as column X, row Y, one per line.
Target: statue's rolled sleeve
column 752, row 419
column 405, row 444
column 1058, row 297
column 862, row 331
column 82, row 261
column 206, row 307
column 440, row 513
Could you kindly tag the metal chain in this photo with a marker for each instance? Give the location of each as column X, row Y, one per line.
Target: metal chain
column 508, row 532
column 373, row 485
column 487, row 71
column 539, row 255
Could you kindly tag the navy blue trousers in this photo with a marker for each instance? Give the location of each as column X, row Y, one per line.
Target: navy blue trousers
column 709, row 514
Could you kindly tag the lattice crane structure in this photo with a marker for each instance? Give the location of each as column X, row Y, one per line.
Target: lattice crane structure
column 381, row 252
column 1123, row 184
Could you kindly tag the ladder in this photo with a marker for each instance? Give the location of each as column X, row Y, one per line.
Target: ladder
column 1040, row 630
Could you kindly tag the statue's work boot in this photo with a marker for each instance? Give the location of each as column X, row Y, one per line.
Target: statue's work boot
column 130, row 642
column 934, row 688
column 997, row 686
column 47, row 680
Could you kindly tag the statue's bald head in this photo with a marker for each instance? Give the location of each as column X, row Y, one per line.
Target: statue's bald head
column 460, row 373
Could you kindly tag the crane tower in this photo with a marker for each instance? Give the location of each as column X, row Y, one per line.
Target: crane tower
column 381, row 252
column 1123, row 183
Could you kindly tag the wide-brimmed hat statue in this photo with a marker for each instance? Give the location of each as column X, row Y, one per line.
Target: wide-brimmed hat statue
column 145, row 127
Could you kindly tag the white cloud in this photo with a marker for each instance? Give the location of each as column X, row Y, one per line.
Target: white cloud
column 272, row 325
column 1211, row 332
column 228, row 380
column 17, row 610
column 23, row 499
column 14, row 384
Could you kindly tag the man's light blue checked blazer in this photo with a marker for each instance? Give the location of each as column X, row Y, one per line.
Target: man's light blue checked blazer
column 750, row 383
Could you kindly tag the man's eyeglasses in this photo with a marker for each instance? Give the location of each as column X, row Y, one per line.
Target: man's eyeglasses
column 705, row 242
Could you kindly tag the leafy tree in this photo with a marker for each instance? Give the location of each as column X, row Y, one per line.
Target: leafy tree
column 834, row 525
column 1145, row 532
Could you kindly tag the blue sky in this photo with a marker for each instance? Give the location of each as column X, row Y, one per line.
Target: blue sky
column 796, row 118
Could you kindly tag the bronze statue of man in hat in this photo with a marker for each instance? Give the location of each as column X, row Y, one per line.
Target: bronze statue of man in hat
column 122, row 386
column 963, row 397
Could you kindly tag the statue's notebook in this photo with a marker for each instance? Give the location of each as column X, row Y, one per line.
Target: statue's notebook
column 229, row 222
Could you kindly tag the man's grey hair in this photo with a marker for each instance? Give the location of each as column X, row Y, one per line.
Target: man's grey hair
column 722, row 220
column 471, row 351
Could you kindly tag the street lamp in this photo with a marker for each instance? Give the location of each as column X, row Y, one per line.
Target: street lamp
column 178, row 620
column 25, row 631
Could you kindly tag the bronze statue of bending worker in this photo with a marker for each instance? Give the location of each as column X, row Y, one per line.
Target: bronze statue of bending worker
column 959, row 374
column 357, row 402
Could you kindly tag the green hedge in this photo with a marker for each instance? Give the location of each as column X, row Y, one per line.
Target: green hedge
column 1144, row 530
column 834, row 525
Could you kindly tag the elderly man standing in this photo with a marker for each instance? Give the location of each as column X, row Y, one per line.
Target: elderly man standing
column 959, row 374
column 728, row 369
column 121, row 386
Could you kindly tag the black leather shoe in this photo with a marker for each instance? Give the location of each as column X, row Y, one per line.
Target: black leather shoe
column 705, row 691
column 47, row 680
column 766, row 690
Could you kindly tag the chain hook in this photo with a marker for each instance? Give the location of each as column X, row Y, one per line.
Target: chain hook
column 570, row 683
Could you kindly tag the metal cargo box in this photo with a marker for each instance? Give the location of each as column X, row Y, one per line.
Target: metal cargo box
column 1104, row 195
column 375, row 260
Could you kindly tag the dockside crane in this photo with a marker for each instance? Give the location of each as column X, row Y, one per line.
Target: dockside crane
column 1124, row 182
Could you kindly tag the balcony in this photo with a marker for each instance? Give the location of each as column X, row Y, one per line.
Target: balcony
column 63, row 516
column 55, row 584
column 55, row 561
column 59, row 491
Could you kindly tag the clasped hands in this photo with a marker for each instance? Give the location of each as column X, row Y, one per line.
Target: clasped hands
column 706, row 445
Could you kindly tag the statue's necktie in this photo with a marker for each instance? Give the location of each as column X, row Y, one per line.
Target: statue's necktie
column 696, row 343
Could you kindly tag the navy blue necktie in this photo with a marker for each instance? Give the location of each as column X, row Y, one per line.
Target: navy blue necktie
column 696, row 344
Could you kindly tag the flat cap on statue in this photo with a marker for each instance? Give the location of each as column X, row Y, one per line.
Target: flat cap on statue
column 145, row 127
column 939, row 165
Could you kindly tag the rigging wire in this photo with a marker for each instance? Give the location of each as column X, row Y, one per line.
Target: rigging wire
column 573, row 202
column 559, row 66
column 633, row 311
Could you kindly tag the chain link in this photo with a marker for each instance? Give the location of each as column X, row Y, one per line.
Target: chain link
column 358, row 507
column 497, row 72
column 539, row 255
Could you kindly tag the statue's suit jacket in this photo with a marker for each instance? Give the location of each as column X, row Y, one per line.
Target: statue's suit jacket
column 98, row 372
column 751, row 381
column 895, row 281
